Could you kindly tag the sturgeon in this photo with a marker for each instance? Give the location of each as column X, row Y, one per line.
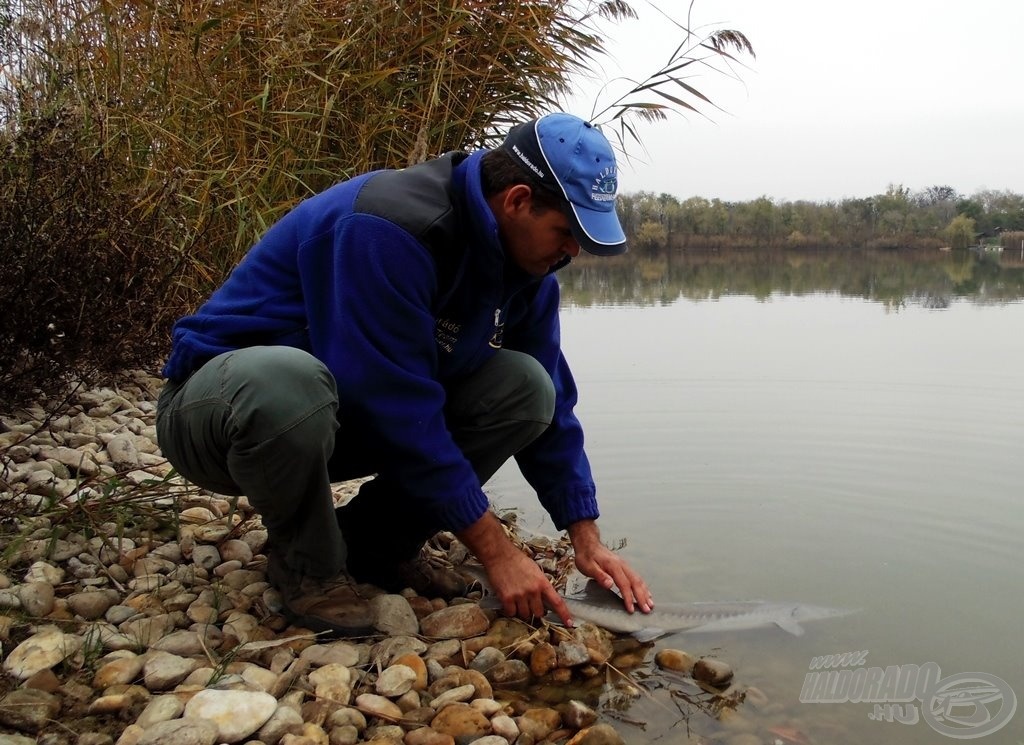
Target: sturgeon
column 604, row 608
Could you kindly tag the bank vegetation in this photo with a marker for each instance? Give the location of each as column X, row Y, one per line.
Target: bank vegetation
column 934, row 217
column 148, row 143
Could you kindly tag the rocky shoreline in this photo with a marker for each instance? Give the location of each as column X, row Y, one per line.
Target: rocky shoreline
column 134, row 609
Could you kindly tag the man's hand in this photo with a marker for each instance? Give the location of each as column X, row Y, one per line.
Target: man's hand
column 602, row 564
column 519, row 583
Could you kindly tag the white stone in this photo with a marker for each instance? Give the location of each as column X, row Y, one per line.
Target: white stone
column 236, row 550
column 160, row 709
column 505, row 726
column 41, row 651
column 123, row 452
column 164, row 670
column 41, row 571
column 332, row 682
column 36, row 598
column 179, row 732
column 455, row 695
column 340, row 653
column 237, row 714
column 395, row 680
column 206, row 556
column 78, row 460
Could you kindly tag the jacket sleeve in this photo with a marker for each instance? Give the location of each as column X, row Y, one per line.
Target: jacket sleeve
column 555, row 464
column 368, row 288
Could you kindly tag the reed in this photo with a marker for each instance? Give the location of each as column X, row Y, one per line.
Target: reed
column 153, row 141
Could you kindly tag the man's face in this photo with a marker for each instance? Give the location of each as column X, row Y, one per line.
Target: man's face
column 538, row 239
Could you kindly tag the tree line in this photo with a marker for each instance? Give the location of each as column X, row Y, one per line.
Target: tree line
column 900, row 218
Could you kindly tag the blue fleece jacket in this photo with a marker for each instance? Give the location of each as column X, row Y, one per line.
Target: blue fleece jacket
column 396, row 309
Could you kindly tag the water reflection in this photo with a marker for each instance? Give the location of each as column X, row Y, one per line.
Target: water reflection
column 931, row 279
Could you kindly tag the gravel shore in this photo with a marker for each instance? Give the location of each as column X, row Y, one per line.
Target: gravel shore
column 134, row 609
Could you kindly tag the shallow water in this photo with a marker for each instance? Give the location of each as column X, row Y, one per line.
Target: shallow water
column 833, row 449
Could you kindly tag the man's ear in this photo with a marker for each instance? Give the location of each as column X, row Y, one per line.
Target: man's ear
column 518, row 198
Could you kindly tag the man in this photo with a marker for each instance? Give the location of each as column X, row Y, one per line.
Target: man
column 404, row 324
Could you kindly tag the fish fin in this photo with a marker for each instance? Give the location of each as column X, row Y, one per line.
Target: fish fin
column 648, row 634
column 593, row 592
column 791, row 626
column 490, row 602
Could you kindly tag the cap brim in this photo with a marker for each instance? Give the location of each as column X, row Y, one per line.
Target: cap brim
column 598, row 233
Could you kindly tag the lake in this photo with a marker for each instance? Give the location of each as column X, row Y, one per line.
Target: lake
column 837, row 430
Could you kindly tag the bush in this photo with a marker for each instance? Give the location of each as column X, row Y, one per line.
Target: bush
column 147, row 145
column 151, row 143
column 84, row 280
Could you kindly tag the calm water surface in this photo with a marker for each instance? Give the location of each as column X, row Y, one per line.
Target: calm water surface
column 819, row 447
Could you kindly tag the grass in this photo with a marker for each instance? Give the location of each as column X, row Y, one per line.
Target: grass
column 147, row 145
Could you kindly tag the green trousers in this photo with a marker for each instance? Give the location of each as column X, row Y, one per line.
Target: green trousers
column 264, row 422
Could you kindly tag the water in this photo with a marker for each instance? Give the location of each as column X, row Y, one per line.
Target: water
column 832, row 448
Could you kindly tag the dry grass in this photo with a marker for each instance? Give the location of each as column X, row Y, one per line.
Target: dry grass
column 173, row 134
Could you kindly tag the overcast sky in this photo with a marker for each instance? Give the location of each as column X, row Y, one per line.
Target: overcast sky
column 841, row 100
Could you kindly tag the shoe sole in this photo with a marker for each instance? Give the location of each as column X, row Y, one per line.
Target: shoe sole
column 327, row 629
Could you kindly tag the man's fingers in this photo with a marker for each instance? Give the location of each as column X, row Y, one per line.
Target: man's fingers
column 555, row 602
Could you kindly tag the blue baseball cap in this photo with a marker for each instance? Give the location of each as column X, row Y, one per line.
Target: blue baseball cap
column 572, row 157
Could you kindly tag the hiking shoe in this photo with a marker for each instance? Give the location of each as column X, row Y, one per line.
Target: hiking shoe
column 427, row 579
column 330, row 605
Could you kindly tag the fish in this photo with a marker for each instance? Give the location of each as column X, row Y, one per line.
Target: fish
column 603, row 607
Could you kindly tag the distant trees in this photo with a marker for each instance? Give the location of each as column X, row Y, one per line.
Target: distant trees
column 960, row 232
column 899, row 217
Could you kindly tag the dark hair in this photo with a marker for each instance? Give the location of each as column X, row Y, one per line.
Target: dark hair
column 499, row 171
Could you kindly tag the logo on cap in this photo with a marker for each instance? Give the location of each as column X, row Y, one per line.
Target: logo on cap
column 605, row 185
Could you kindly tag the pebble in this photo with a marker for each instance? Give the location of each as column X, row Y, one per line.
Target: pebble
column 378, row 706
column 284, row 721
column 674, row 659
column 461, row 721
column 42, row 571
column 539, row 723
column 713, row 672
column 487, row 658
column 599, row 734
column 92, row 605
column 201, row 653
column 236, row 550
column 572, row 653
column 455, row 622
column 181, row 732
column 160, row 709
column 415, row 663
column 459, row 694
column 395, row 681
column 505, row 726
column 577, row 715
column 28, row 709
column 236, row 714
column 340, row 653
column 119, row 671
column 393, row 615
column 41, row 651
column 510, row 674
column 332, row 682
column 164, row 670
column 36, row 598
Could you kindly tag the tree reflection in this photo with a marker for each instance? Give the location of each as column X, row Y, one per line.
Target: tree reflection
column 931, row 279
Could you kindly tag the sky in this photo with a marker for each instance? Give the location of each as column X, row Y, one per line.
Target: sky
column 842, row 100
